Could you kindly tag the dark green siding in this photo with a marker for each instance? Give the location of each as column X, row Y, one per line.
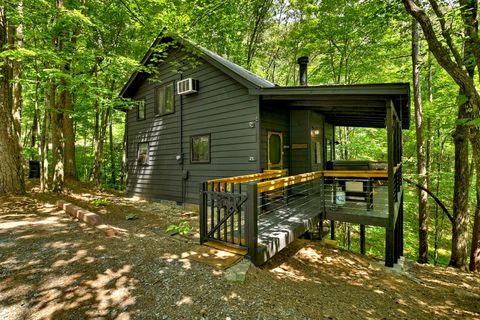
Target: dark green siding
column 300, row 135
column 222, row 108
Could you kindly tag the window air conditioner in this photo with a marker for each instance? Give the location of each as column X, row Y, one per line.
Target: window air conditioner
column 187, row 86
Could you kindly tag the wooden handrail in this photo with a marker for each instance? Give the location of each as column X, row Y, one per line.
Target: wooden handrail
column 355, row 173
column 288, row 181
column 304, row 177
column 267, row 174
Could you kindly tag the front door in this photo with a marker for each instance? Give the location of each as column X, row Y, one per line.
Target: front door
column 275, row 150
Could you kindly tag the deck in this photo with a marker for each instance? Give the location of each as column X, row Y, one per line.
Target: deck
column 264, row 217
column 276, row 230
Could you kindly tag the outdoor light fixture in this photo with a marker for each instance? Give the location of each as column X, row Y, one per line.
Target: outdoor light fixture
column 315, row 132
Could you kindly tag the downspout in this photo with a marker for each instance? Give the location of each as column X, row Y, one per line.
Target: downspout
column 184, row 177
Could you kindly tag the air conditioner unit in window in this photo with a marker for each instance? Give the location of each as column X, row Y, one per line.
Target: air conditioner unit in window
column 187, row 86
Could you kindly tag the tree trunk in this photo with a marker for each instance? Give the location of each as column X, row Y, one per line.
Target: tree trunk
column 103, row 116
column 112, row 154
column 475, row 248
column 43, row 151
column 69, row 136
column 56, row 117
column 421, row 162
column 11, row 169
column 460, row 195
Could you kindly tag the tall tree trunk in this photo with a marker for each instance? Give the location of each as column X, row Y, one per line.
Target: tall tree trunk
column 56, row 117
column 43, row 150
column 112, row 154
column 460, row 195
column 69, row 136
column 11, row 169
column 103, row 116
column 475, row 248
column 16, row 41
column 421, row 162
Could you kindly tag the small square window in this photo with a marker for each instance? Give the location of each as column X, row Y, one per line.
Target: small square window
column 200, row 152
column 142, row 157
column 141, row 109
column 164, row 99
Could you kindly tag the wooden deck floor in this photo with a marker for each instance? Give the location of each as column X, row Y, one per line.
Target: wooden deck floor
column 278, row 229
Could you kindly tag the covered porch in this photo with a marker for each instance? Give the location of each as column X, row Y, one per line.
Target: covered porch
column 302, row 184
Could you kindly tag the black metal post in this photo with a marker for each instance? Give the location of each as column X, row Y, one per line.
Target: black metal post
column 389, row 232
column 362, row 239
column 203, row 212
column 251, row 223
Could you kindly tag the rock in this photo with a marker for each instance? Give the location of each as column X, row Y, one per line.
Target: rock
column 329, row 243
column 238, row 272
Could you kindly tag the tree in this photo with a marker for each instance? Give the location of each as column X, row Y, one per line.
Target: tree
column 459, row 56
column 11, row 160
column 421, row 161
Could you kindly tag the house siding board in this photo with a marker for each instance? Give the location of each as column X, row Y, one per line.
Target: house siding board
column 317, row 122
column 232, row 140
column 222, row 108
column 299, row 124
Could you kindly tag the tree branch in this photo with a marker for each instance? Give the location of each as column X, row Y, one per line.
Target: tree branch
column 445, row 33
column 441, row 53
column 438, row 201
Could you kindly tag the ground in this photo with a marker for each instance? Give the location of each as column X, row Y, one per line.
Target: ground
column 54, row 267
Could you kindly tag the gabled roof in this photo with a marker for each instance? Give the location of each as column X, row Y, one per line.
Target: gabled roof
column 242, row 75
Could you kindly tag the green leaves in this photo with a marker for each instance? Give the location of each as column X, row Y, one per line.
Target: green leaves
column 182, row 228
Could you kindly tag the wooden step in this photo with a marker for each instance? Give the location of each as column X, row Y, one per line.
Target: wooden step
column 225, row 247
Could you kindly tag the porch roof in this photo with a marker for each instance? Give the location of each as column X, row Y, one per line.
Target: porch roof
column 361, row 105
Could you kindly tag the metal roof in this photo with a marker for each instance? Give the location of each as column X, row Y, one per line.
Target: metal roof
column 242, row 75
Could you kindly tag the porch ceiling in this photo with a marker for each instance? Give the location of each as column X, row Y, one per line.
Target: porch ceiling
column 353, row 105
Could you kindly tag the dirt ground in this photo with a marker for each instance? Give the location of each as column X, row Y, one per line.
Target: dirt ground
column 54, row 267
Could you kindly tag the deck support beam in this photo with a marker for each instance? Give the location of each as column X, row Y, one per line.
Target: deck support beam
column 362, row 239
column 251, row 222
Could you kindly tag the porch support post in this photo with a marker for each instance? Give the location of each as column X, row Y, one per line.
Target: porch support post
column 332, row 229
column 389, row 232
column 251, row 222
column 203, row 212
column 362, row 239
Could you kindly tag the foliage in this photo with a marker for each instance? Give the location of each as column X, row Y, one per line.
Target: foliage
column 100, row 202
column 182, row 228
column 131, row 216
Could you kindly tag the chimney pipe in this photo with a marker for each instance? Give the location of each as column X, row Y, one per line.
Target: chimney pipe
column 303, row 63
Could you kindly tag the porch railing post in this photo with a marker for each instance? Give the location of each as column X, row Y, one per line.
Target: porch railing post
column 389, row 232
column 251, row 221
column 203, row 212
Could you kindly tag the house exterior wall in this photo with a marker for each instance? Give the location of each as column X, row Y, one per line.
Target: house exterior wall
column 222, row 109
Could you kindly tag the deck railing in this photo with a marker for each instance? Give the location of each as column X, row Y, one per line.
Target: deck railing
column 225, row 214
column 230, row 207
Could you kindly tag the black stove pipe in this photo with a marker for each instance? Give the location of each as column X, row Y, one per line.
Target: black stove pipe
column 303, row 63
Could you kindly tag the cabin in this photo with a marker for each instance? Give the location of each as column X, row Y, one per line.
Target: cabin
column 257, row 158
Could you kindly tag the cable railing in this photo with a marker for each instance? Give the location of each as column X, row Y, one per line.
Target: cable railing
column 238, row 211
